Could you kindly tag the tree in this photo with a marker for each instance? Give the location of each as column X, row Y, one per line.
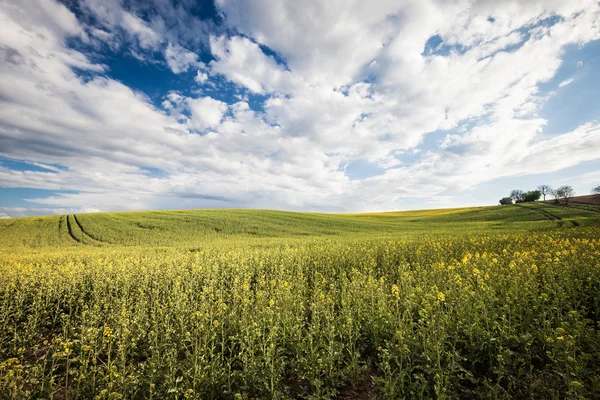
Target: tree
column 565, row 192
column 556, row 194
column 596, row 190
column 532, row 195
column 545, row 190
column 505, row 200
column 517, row 195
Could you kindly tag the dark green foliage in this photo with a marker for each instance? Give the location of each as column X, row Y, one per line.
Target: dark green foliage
column 517, row 195
column 533, row 195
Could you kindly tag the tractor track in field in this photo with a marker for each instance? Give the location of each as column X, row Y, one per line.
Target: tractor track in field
column 84, row 231
column 550, row 216
column 582, row 208
column 545, row 213
column 70, row 230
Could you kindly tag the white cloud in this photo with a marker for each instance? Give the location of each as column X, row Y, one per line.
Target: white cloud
column 326, row 42
column 17, row 212
column 243, row 62
column 414, row 94
column 206, row 112
column 566, row 82
column 355, row 84
column 201, row 77
column 180, row 59
column 113, row 18
column 199, row 113
column 165, row 32
column 147, row 38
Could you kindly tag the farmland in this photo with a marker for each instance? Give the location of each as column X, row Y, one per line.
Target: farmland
column 488, row 302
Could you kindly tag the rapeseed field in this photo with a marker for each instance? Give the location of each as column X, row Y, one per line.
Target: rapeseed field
column 492, row 302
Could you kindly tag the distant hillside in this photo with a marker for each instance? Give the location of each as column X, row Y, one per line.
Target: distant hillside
column 198, row 227
column 588, row 203
column 591, row 199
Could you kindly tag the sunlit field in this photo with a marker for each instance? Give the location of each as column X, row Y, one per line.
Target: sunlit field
column 490, row 302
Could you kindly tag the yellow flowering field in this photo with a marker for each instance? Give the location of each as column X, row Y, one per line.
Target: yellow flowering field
column 491, row 302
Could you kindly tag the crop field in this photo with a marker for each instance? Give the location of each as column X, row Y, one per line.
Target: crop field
column 488, row 302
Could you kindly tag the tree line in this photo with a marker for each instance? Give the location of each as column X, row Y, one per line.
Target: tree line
column 563, row 193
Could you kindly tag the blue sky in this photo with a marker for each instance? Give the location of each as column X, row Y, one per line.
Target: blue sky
column 125, row 105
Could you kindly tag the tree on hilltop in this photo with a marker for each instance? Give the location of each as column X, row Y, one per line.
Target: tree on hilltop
column 517, row 195
column 545, row 190
column 596, row 190
column 556, row 194
column 565, row 192
column 532, row 195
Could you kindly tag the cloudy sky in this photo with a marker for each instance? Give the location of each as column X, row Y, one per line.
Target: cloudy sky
column 316, row 105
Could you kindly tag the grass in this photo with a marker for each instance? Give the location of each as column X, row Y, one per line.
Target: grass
column 486, row 302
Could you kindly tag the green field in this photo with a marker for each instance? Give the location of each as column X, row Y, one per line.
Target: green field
column 487, row 302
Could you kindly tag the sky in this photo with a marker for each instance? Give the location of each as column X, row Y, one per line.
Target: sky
column 319, row 105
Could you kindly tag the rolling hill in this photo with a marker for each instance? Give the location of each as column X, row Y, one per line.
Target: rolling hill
column 199, row 227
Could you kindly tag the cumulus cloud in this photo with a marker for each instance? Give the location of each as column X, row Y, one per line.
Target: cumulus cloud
column 326, row 42
column 412, row 94
column 180, row 59
column 339, row 82
column 201, row 77
column 243, row 62
column 206, row 112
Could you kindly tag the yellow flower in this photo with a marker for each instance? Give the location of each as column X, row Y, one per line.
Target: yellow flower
column 457, row 279
column 395, row 290
column 441, row 297
column 108, row 333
